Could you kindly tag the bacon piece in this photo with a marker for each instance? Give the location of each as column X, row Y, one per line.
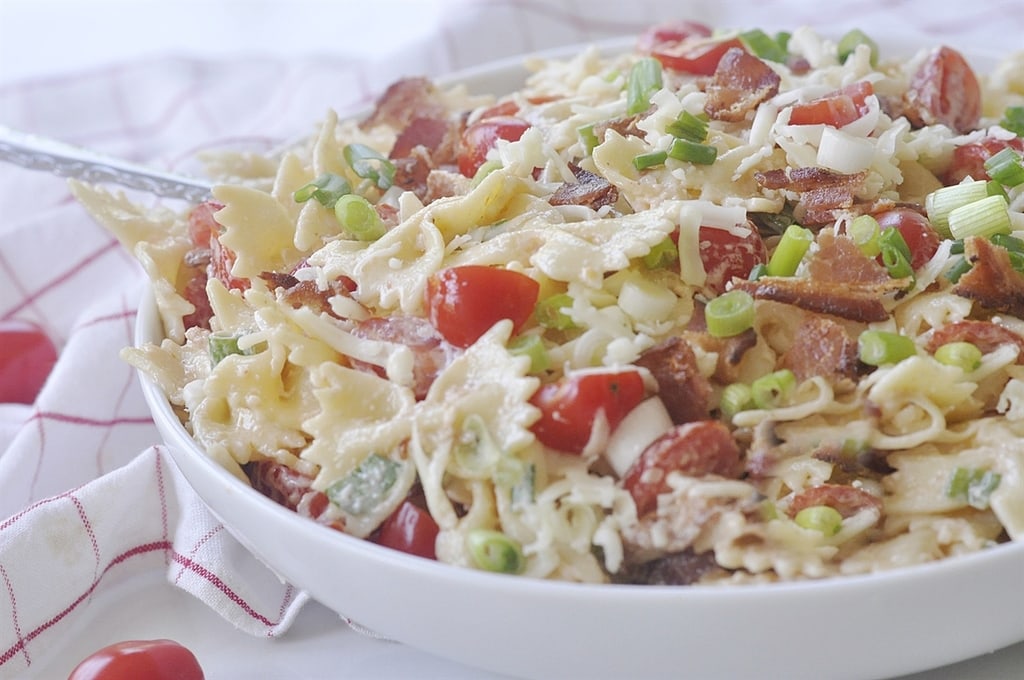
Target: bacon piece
column 848, row 500
column 985, row 335
column 822, row 191
column 944, row 90
column 739, row 85
column 589, row 190
column 431, row 352
column 676, row 569
column 730, row 350
column 992, row 281
column 625, row 126
column 822, row 347
column 293, row 490
column 841, row 282
column 405, row 100
column 684, row 391
column 425, row 145
column 298, row 293
column 697, row 449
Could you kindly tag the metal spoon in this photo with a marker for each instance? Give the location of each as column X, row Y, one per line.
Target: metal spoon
column 65, row 160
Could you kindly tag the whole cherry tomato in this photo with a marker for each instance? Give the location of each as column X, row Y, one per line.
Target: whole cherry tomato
column 136, row 659
column 26, row 358
column 481, row 136
column 464, row 302
column 570, row 406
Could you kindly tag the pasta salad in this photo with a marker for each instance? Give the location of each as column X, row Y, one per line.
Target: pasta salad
column 727, row 307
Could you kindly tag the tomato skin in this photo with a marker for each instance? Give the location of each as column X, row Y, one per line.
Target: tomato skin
column 464, row 302
column 481, row 136
column 836, row 109
column 969, row 159
column 725, row 255
column 410, row 529
column 944, row 90
column 916, row 230
column 698, row 57
column 134, row 659
column 27, row 355
column 201, row 223
column 670, row 33
column 570, row 406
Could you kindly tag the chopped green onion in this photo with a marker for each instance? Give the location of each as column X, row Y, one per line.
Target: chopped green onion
column 1011, row 243
column 533, row 347
column 774, row 223
column 865, row 230
column 369, row 164
column 644, row 80
column 524, row 490
column 941, row 202
column 550, row 315
column 475, row 451
column 326, row 189
column 1013, row 120
column 782, row 37
column 223, row 344
column 1005, row 167
column 730, row 314
column 853, row 39
column 877, row 348
column 692, row 152
column 649, row 160
column 757, row 271
column 359, row 218
column 662, row 255
column 689, row 127
column 973, row 485
column 772, row 390
column 790, row 250
column 823, row 518
column 763, row 46
column 588, row 138
column 735, row 398
column 965, row 355
column 366, row 487
column 985, row 217
column 960, row 267
column 895, row 253
column 494, row 551
column 956, row 246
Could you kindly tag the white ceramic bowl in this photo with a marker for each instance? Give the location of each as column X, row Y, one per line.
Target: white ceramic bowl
column 876, row 626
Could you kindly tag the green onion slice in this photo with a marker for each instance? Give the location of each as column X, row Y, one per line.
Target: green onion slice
column 662, row 255
column 790, row 250
column 369, row 164
column 772, row 390
column 644, row 80
column 326, row 189
column 851, row 40
column 895, row 253
column 588, row 138
column 973, row 485
column 985, row 217
column 865, row 230
column 689, row 127
column 692, row 152
column 1005, row 167
column 730, row 313
column 1013, row 120
column 366, row 487
column 475, row 451
column 359, row 218
column 494, row 551
column 941, row 202
column 965, row 355
column 960, row 267
column 550, row 315
column 223, row 344
column 735, row 398
column 649, row 160
column 878, row 348
column 763, row 46
column 823, row 518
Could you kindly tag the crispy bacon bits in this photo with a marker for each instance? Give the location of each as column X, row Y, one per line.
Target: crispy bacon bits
column 822, row 192
column 739, row 85
column 685, row 392
column 822, row 347
column 992, row 281
column 589, row 189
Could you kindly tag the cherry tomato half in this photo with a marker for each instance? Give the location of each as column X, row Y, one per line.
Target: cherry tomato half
column 27, row 356
column 464, row 302
column 481, row 136
column 570, row 406
column 944, row 89
column 726, row 255
column 836, row 109
column 410, row 529
column 134, row 659
column 916, row 230
column 969, row 159
column 697, row 56
column 670, row 33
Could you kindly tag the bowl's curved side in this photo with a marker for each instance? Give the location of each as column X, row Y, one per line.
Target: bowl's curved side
column 860, row 627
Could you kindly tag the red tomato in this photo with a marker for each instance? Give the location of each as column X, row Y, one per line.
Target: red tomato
column 570, row 406
column 481, row 136
column 410, row 529
column 26, row 358
column 694, row 449
column 836, row 109
column 134, row 659
column 464, row 302
column 944, row 90
column 969, row 159
column 669, row 34
column 916, row 230
column 698, row 57
column 725, row 255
